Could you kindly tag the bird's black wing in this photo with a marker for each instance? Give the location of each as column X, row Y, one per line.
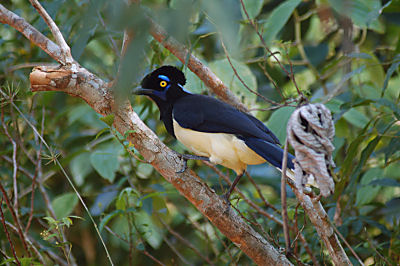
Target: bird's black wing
column 207, row 114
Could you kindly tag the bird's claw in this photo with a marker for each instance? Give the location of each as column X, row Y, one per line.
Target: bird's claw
column 186, row 157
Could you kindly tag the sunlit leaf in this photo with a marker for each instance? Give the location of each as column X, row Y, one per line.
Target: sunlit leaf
column 80, row 167
column 253, row 7
column 278, row 18
column 64, row 204
column 225, row 72
column 278, row 121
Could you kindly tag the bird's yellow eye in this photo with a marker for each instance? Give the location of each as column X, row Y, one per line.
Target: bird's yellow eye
column 163, row 83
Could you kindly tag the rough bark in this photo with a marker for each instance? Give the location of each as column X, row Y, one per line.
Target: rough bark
column 96, row 93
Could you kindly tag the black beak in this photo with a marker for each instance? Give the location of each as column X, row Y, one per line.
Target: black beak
column 142, row 91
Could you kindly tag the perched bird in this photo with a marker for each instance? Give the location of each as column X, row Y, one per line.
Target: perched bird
column 210, row 128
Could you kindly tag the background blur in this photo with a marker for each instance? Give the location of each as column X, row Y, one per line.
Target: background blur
column 342, row 53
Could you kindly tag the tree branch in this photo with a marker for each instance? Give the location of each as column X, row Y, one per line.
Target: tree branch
column 65, row 50
column 196, row 66
column 32, row 34
column 96, row 93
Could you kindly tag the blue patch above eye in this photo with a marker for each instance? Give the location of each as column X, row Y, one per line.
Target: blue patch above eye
column 164, row 78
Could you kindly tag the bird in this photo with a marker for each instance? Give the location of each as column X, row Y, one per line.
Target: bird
column 211, row 129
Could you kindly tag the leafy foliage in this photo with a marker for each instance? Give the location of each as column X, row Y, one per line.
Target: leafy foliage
column 343, row 53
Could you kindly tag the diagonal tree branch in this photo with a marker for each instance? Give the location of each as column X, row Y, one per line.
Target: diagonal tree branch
column 97, row 94
column 196, row 66
column 32, row 34
column 79, row 82
column 65, row 50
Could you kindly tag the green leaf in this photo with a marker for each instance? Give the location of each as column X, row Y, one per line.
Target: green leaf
column 105, row 163
column 105, row 159
column 253, row 7
column 356, row 118
column 278, row 19
column 151, row 232
column 106, row 219
column 367, row 193
column 363, row 13
column 193, row 83
column 80, row 167
column 127, row 198
column 387, row 182
column 101, row 132
column 144, row 170
column 224, row 71
column 365, row 154
column 393, row 67
column 278, row 121
column 108, row 119
column 359, row 55
column 64, row 205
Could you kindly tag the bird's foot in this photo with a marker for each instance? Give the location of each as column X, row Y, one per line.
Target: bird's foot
column 186, row 157
column 225, row 197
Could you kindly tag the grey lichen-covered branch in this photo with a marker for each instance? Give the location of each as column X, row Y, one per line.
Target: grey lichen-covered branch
column 310, row 131
column 79, row 82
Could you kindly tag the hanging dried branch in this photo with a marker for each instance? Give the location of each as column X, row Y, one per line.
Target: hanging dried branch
column 310, row 132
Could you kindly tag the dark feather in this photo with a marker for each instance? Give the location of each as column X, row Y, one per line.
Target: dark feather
column 270, row 152
column 207, row 114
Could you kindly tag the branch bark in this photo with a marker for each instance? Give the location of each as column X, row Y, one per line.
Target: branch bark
column 196, row 66
column 79, row 82
column 31, row 33
column 97, row 94
column 319, row 218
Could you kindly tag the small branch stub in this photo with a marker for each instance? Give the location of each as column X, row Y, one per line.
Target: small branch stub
column 310, row 131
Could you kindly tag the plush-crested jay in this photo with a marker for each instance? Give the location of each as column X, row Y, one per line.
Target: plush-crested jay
column 211, row 129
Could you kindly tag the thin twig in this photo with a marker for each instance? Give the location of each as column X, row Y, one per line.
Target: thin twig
column 66, row 175
column 7, row 234
column 65, row 50
column 241, row 80
column 16, row 220
column 112, row 41
column 283, row 198
column 186, row 242
column 38, row 172
column 262, row 66
column 14, row 159
column 180, row 256
column 302, row 52
column 248, row 201
column 347, row 244
column 290, row 75
column 267, row 204
column 31, row 33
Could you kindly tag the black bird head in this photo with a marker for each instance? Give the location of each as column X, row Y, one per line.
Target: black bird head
column 165, row 84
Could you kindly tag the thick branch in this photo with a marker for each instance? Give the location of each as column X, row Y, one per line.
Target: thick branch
column 95, row 92
column 32, row 34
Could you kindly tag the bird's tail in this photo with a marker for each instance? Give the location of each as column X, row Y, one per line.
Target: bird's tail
column 274, row 155
column 270, row 152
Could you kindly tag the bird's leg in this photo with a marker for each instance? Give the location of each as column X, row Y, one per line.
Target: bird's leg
column 186, row 157
column 229, row 192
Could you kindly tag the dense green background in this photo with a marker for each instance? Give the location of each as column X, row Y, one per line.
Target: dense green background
column 344, row 53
